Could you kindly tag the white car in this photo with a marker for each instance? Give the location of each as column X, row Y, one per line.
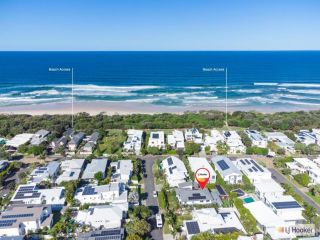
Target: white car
column 155, row 194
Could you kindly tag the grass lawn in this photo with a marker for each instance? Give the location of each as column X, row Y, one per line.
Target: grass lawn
column 183, row 217
column 172, row 199
column 315, row 198
column 112, row 143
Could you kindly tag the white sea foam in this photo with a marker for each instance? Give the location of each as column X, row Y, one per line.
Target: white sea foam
column 304, row 85
column 306, row 91
column 265, row 84
column 247, row 90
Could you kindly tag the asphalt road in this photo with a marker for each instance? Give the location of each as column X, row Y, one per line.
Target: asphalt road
column 281, row 179
column 151, row 201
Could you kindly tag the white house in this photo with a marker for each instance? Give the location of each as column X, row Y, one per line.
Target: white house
column 306, row 137
column 257, row 139
column 109, row 193
column 286, row 207
column 233, row 140
column 134, row 141
column 105, row 216
column 268, row 187
column 19, row 140
column 193, row 135
column 71, row 170
column 47, row 173
column 19, row 220
column 201, row 162
column 31, row 194
column 96, row 165
column 228, row 171
column 268, row 221
column 316, row 133
column 208, row 219
column 174, row 170
column 281, row 140
column 254, row 171
column 72, row 164
column 176, row 139
column 39, row 137
column 122, row 171
column 156, row 139
column 212, row 140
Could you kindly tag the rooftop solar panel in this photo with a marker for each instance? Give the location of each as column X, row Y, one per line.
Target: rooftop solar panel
column 221, row 190
column 193, row 227
column 155, row 135
column 170, row 162
column 18, row 215
column 247, row 161
column 243, row 163
column 286, row 205
column 257, row 166
column 254, row 169
column 223, row 165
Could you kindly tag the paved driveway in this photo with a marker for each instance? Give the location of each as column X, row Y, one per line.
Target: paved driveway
column 281, row 179
column 151, row 201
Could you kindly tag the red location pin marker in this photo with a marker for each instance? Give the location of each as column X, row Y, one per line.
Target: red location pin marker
column 202, row 176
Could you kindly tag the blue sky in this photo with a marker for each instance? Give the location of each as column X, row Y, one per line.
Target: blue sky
column 160, row 25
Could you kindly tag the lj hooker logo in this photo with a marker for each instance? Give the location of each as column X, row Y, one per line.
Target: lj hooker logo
column 298, row 230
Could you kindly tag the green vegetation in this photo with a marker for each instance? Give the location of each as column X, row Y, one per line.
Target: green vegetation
column 192, row 148
column 248, row 221
column 281, row 162
column 98, row 176
column 245, row 139
column 140, row 212
column 302, row 178
column 138, row 227
column 293, row 121
column 211, row 236
column 70, row 188
column 257, row 151
column 111, row 143
column 311, row 149
column 222, row 148
column 289, row 191
column 64, row 226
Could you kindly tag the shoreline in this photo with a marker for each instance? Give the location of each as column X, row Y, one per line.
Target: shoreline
column 127, row 108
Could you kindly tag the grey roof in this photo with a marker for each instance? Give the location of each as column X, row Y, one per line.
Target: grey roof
column 188, row 195
column 231, row 169
column 52, row 167
column 255, row 135
column 42, row 133
column 94, row 137
column 69, row 132
column 77, row 138
column 3, row 164
column 105, row 234
column 96, row 165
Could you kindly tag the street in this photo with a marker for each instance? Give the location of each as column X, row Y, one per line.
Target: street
column 151, row 201
column 281, row 179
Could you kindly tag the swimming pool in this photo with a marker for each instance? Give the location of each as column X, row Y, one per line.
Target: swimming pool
column 248, row 200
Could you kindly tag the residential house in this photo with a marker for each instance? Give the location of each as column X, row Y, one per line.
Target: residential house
column 175, row 171
column 109, row 193
column 228, row 171
column 201, row 162
column 71, row 170
column 176, row 139
column 268, row 221
column 156, row 139
column 306, row 137
column 102, row 216
column 267, row 187
column 19, row 140
column 96, row 165
column 193, row 135
column 208, row 219
column 112, row 233
column 19, row 220
column 47, row 173
column 286, row 207
column 75, row 141
column 121, row 171
column 194, row 196
column 59, row 143
column 134, row 141
column 257, row 139
column 213, row 139
column 233, row 141
column 3, row 165
column 39, row 137
column 254, row 171
column 32, row 194
column 91, row 143
column 281, row 140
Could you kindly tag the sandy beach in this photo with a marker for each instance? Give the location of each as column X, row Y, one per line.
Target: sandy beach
column 124, row 108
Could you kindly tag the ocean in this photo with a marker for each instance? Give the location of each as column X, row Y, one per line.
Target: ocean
column 255, row 78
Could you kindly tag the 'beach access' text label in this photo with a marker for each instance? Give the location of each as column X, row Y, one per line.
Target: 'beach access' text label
column 59, row 69
column 212, row 69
